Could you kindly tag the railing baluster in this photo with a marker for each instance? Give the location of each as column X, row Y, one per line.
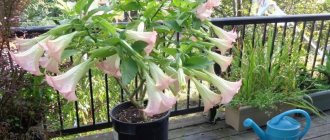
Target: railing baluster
column 136, row 86
column 264, row 34
column 309, row 43
column 91, row 94
column 242, row 46
column 60, row 110
column 283, row 37
column 188, row 95
column 272, row 46
column 293, row 37
column 302, row 36
column 199, row 100
column 317, row 47
column 177, row 40
column 77, row 113
column 284, row 34
column 253, row 34
column 326, row 45
column 107, row 95
column 121, row 95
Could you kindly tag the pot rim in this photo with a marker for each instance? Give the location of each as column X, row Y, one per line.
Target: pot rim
column 128, row 102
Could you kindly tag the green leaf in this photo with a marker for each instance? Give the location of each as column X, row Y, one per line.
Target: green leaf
column 92, row 12
column 177, row 2
column 162, row 29
column 87, row 5
column 89, row 40
column 79, row 5
column 82, row 5
column 139, row 46
column 196, row 24
column 102, row 52
column 183, row 17
column 172, row 24
column 68, row 53
column 151, row 9
column 109, row 42
column 131, row 6
column 186, row 48
column 128, row 69
column 171, row 51
column 197, row 62
column 105, row 24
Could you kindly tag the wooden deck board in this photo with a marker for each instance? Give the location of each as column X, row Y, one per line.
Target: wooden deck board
column 196, row 127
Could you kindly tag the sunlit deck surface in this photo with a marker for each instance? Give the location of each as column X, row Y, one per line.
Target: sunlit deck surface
column 197, row 127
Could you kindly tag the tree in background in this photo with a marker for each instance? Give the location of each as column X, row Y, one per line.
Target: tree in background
column 22, row 104
column 291, row 7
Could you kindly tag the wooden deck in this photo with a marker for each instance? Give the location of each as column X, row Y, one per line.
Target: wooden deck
column 196, row 127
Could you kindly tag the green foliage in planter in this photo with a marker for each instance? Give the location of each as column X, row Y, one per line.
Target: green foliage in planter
column 269, row 77
column 319, row 81
column 324, row 79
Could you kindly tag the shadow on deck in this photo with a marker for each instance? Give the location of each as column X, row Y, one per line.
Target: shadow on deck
column 197, row 127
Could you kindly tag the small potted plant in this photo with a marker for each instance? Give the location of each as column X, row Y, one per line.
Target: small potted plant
column 269, row 87
column 165, row 44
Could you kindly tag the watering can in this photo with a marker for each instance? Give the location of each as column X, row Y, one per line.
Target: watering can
column 281, row 127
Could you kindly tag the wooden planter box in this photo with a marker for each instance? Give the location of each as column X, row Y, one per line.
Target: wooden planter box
column 321, row 99
column 235, row 117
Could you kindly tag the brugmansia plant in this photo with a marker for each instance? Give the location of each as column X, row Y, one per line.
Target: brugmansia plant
column 163, row 45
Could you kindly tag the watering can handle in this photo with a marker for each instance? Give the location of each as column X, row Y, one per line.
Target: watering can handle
column 306, row 115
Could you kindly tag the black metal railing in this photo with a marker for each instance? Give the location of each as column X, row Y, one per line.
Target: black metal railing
column 311, row 32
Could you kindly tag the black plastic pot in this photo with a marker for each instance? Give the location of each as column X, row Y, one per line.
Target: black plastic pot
column 155, row 130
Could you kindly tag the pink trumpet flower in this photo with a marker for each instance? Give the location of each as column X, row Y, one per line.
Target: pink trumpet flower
column 158, row 102
column 25, row 44
column 66, row 83
column 162, row 80
column 55, row 48
column 222, row 45
column 228, row 89
column 140, row 27
column 29, row 59
column 148, row 37
column 213, row 3
column 210, row 69
column 223, row 61
column 174, row 87
column 205, row 10
column 110, row 65
column 49, row 64
column 182, row 79
column 210, row 99
column 229, row 36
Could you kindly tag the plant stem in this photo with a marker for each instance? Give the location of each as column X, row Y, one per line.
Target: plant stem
column 125, row 88
column 144, row 91
column 158, row 10
column 136, row 91
column 130, row 49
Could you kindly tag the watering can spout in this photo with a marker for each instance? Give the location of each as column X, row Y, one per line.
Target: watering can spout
column 250, row 123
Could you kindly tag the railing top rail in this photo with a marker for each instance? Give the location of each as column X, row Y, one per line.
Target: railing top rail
column 32, row 29
column 268, row 19
column 219, row 21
